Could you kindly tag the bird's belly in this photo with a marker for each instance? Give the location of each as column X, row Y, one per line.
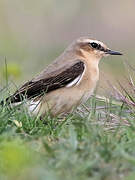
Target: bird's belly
column 58, row 102
column 62, row 100
column 90, row 86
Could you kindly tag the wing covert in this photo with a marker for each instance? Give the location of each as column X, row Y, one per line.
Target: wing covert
column 33, row 89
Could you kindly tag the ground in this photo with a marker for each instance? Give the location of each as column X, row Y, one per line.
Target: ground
column 96, row 142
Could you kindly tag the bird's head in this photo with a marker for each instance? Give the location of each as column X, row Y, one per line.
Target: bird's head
column 92, row 48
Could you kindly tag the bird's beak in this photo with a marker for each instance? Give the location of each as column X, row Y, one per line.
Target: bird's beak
column 108, row 51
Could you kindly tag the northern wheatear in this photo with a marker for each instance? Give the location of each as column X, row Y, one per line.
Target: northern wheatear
column 67, row 82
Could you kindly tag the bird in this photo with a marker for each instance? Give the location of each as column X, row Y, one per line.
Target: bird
column 67, row 82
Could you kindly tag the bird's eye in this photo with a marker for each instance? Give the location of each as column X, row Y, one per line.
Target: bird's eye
column 95, row 45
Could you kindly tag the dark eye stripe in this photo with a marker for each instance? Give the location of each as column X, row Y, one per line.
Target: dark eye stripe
column 96, row 46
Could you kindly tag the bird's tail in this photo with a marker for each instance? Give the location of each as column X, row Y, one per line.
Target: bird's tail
column 2, row 103
column 5, row 102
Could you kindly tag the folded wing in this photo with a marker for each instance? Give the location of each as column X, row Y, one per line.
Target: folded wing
column 33, row 88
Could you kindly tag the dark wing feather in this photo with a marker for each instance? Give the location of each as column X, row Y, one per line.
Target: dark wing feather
column 33, row 89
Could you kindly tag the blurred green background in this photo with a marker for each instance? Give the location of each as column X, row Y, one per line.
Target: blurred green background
column 33, row 33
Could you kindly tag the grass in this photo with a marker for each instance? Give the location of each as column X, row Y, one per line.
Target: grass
column 96, row 142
